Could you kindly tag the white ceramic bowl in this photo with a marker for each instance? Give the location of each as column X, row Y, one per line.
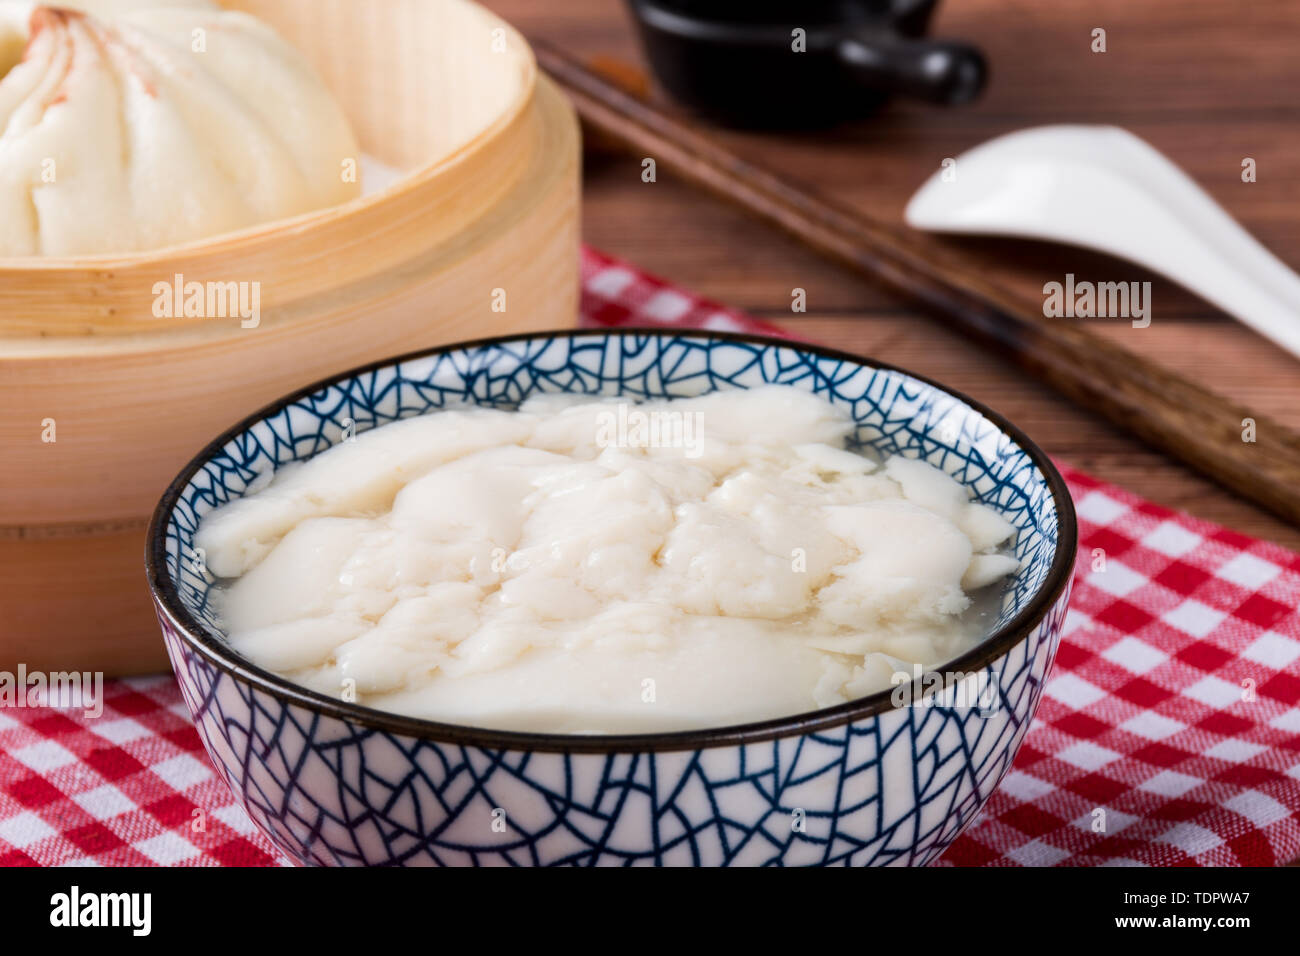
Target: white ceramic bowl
column 866, row 782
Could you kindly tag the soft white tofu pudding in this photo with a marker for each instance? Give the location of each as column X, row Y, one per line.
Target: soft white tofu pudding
column 585, row 566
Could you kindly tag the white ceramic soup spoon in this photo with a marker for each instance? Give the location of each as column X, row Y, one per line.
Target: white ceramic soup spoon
column 1103, row 188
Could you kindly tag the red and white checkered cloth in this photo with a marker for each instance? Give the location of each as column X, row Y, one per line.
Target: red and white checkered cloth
column 1169, row 733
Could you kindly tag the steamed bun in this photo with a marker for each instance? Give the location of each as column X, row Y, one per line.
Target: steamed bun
column 129, row 125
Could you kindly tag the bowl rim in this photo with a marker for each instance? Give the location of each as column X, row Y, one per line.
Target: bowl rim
column 199, row 639
column 251, row 237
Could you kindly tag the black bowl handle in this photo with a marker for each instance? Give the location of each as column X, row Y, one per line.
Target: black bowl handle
column 934, row 70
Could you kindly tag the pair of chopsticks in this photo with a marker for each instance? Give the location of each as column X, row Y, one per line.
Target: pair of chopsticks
column 1186, row 421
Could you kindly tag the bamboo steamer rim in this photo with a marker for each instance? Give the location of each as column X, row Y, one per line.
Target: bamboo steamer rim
column 267, row 233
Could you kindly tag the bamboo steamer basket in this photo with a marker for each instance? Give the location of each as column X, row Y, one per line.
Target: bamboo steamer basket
column 487, row 213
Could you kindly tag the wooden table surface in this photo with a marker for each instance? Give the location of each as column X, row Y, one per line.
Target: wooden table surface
column 1208, row 82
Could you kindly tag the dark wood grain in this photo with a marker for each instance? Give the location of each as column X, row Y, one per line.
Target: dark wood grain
column 1178, row 416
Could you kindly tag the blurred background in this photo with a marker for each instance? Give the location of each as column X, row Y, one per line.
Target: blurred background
column 1207, row 82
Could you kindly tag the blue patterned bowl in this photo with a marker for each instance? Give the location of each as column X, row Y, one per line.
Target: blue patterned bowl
column 873, row 781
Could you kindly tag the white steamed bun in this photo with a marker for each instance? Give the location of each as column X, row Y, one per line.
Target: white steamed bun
column 128, row 125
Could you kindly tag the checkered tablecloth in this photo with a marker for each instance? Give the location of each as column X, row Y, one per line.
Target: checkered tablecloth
column 1169, row 732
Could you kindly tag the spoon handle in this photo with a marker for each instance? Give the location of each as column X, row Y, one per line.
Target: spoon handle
column 1190, row 238
column 1103, row 188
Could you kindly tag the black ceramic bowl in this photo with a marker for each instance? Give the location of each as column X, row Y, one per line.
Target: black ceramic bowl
column 786, row 64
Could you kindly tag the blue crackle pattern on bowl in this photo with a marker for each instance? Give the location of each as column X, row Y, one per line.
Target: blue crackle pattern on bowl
column 894, row 787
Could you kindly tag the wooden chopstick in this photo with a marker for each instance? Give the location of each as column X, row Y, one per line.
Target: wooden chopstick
column 1190, row 423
